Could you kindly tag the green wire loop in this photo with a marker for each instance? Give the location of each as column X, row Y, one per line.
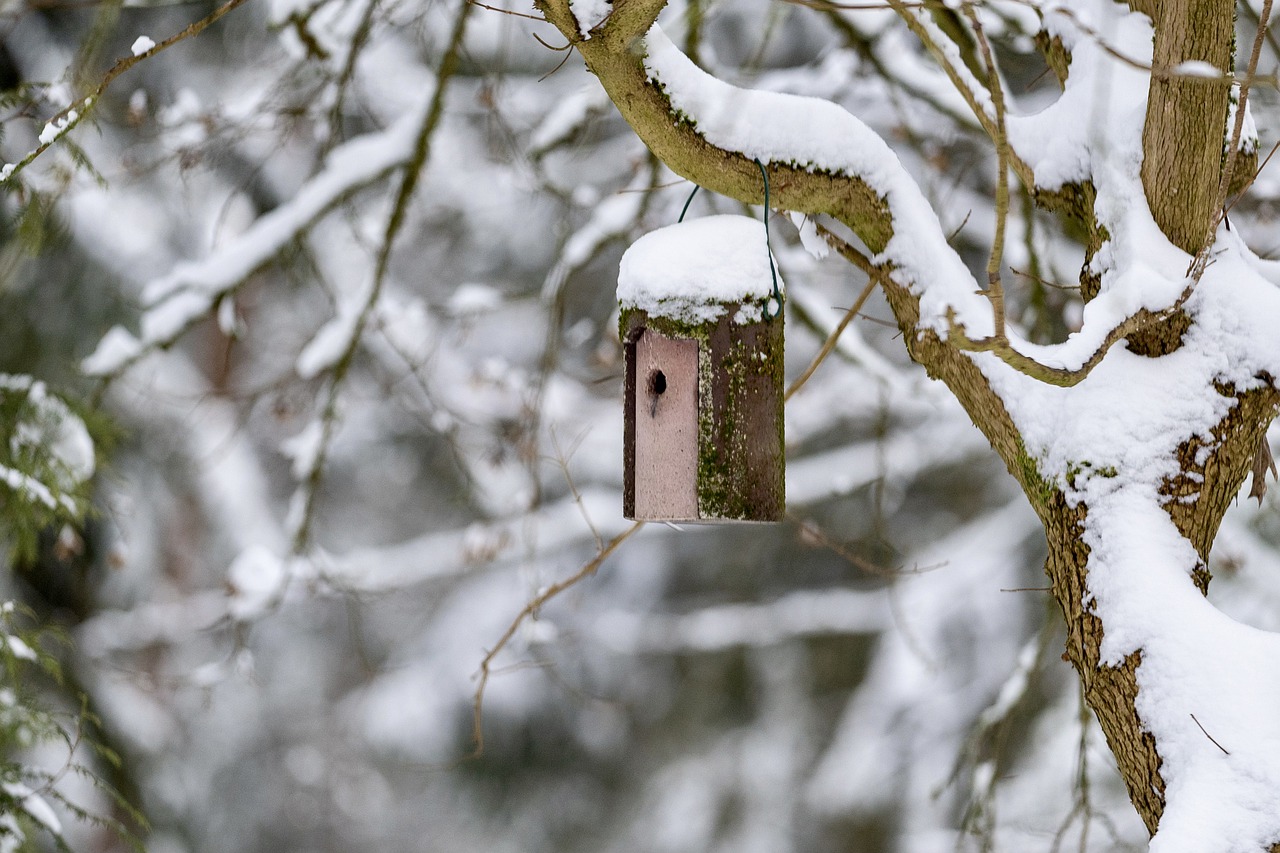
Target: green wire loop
column 777, row 291
column 688, row 202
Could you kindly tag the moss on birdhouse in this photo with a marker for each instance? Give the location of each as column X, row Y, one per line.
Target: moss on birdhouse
column 740, row 462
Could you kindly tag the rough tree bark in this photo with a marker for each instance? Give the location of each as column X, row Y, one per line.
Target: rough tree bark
column 1183, row 143
column 1182, row 140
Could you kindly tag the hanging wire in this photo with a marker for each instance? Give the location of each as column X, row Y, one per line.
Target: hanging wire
column 688, row 202
column 773, row 271
column 777, row 292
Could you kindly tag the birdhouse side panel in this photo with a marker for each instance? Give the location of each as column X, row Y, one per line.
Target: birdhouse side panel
column 742, row 466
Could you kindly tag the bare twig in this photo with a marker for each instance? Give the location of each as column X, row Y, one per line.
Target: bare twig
column 1197, row 722
column 1200, row 263
column 1038, row 279
column 995, row 289
column 1083, row 805
column 832, row 339
column 1064, row 11
column 907, row 11
column 531, row 609
column 562, row 459
column 875, row 275
column 1252, row 178
column 358, row 41
column 818, row 535
column 509, row 12
column 74, row 113
column 955, row 232
column 408, row 185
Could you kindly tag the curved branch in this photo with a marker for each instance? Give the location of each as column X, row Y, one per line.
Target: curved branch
column 1000, row 346
column 619, row 63
column 862, row 185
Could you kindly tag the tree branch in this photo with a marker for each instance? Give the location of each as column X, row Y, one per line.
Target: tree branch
column 530, row 610
column 73, row 114
column 812, row 188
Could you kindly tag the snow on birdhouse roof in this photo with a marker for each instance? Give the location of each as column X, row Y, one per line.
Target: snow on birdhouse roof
column 692, row 271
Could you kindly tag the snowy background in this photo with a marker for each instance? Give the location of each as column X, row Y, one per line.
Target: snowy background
column 332, row 490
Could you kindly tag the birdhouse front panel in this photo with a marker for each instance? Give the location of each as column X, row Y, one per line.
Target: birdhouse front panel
column 665, row 410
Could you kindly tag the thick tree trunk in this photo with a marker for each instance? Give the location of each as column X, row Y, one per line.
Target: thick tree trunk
column 1183, row 138
column 1199, row 496
column 1109, row 691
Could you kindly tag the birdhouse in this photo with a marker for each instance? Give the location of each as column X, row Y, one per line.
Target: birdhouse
column 701, row 328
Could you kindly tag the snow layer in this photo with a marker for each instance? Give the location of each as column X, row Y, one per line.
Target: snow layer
column 692, row 271
column 590, row 14
column 188, row 293
column 818, row 135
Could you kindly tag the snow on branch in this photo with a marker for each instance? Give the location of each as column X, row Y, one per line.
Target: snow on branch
column 552, row 527
column 335, row 346
column 818, row 137
column 797, row 615
column 178, row 300
column 143, row 48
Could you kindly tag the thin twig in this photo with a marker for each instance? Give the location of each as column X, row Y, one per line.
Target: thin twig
column 1264, row 18
column 408, row 184
column 1252, row 178
column 1201, row 260
column 1043, row 281
column 80, row 108
column 530, row 609
column 509, row 12
column 963, row 222
column 1066, row 12
column 832, row 339
column 995, row 289
column 907, row 11
column 358, row 41
column 1206, row 734
column 813, row 530
column 875, row 274
column 562, row 459
column 1242, row 106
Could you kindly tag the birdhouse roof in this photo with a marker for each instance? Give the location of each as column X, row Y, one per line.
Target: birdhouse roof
column 692, row 271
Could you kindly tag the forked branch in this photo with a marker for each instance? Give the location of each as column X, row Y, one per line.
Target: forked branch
column 531, row 611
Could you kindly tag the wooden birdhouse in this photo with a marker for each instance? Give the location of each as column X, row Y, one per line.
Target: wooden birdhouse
column 701, row 326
